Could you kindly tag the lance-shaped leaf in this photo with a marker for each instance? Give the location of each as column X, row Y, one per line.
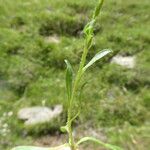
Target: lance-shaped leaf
column 65, row 146
column 64, row 129
column 30, row 148
column 109, row 146
column 98, row 56
column 88, row 29
column 78, row 113
column 69, row 78
column 98, row 8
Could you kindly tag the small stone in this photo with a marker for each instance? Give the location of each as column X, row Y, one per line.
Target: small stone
column 5, row 125
column 39, row 114
column 53, row 39
column 10, row 113
column 127, row 61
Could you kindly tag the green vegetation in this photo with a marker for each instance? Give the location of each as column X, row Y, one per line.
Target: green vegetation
column 115, row 99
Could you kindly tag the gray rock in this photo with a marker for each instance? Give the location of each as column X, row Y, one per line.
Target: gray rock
column 53, row 39
column 39, row 114
column 128, row 61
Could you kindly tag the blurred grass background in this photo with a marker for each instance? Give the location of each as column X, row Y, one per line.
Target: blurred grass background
column 116, row 100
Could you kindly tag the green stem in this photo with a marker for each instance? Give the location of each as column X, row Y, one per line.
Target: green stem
column 77, row 79
column 75, row 86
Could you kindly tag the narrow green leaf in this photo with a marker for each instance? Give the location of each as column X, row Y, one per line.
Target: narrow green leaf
column 40, row 148
column 109, row 146
column 89, row 41
column 98, row 56
column 69, row 78
column 30, row 148
column 88, row 30
column 64, row 129
column 75, row 116
column 98, row 9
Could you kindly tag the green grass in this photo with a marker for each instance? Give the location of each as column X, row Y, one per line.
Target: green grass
column 32, row 69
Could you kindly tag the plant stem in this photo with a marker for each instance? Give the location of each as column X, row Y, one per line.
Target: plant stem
column 78, row 77
column 75, row 86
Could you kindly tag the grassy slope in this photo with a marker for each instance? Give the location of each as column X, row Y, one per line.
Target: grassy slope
column 32, row 69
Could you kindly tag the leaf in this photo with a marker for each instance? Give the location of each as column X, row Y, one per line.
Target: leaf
column 69, row 78
column 98, row 56
column 64, row 129
column 75, row 116
column 88, row 29
column 109, row 146
column 30, row 148
column 40, row 148
column 89, row 41
column 98, row 9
